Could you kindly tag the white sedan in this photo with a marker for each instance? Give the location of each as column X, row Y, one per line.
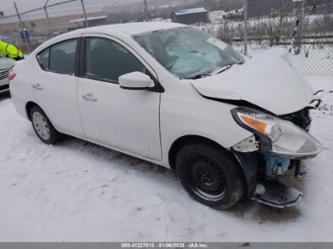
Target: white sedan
column 175, row 96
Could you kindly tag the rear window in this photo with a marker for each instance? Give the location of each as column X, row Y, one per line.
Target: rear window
column 59, row 58
column 43, row 59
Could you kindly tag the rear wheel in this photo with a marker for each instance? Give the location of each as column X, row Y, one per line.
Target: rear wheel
column 43, row 127
column 210, row 175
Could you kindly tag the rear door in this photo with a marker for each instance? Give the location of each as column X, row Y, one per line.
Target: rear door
column 54, row 85
column 124, row 119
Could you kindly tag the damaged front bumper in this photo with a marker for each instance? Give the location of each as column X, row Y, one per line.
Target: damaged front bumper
column 261, row 160
column 269, row 190
column 263, row 180
column 276, row 194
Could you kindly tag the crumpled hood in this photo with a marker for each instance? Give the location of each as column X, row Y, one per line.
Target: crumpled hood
column 267, row 81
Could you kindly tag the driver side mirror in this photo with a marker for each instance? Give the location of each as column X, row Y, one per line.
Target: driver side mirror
column 135, row 81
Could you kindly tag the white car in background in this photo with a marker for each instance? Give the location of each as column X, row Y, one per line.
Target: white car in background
column 5, row 66
column 177, row 97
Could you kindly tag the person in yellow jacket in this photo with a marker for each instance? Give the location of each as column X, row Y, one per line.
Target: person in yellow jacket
column 10, row 51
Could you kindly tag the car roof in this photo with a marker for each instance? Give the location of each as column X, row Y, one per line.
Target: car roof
column 117, row 30
column 131, row 29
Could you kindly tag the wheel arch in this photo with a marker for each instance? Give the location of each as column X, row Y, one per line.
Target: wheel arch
column 248, row 171
column 183, row 140
column 28, row 107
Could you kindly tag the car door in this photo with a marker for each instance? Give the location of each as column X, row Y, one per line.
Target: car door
column 124, row 119
column 54, row 85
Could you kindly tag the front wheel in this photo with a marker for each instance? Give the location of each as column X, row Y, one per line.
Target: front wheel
column 210, row 175
column 43, row 127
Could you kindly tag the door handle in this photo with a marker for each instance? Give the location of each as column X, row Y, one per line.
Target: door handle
column 89, row 97
column 37, row 87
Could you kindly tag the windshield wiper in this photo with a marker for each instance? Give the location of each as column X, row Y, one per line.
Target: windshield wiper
column 209, row 73
column 222, row 69
column 199, row 75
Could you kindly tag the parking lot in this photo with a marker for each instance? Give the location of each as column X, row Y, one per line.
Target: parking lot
column 77, row 191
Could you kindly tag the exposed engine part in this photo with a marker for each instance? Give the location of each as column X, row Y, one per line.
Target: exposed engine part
column 301, row 118
column 248, row 145
column 278, row 195
column 319, row 93
column 314, row 104
column 276, row 166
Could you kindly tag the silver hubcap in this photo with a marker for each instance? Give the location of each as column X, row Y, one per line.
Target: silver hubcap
column 41, row 126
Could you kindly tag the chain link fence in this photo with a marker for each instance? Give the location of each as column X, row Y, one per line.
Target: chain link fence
column 43, row 22
column 311, row 53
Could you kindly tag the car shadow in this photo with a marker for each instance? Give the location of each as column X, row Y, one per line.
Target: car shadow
column 245, row 208
column 117, row 157
column 4, row 96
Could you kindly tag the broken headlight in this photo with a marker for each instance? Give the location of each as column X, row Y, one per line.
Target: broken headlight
column 277, row 136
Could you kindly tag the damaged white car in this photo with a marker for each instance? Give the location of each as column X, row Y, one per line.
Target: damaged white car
column 177, row 97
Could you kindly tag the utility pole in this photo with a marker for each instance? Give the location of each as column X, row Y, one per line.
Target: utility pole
column 23, row 29
column 48, row 18
column 245, row 27
column 19, row 16
column 146, row 10
column 84, row 14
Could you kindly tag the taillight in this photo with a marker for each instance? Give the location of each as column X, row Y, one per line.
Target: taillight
column 11, row 76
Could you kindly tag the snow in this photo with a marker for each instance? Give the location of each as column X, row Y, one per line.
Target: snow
column 313, row 59
column 190, row 11
column 318, row 61
column 77, row 191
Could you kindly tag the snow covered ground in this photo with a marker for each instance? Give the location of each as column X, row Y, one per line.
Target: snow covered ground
column 77, row 191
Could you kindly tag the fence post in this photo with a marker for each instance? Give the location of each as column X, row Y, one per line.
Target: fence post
column 296, row 40
column 245, row 27
column 21, row 24
column 85, row 14
column 48, row 18
column 146, row 11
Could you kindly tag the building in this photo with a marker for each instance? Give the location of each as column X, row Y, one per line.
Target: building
column 190, row 16
column 39, row 24
column 92, row 21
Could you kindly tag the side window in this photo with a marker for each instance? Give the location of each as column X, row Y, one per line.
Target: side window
column 107, row 60
column 62, row 57
column 43, row 59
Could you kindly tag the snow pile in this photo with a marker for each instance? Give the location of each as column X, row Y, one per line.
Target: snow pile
column 77, row 191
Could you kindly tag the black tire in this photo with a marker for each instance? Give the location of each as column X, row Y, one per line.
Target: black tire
column 210, row 175
column 44, row 130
